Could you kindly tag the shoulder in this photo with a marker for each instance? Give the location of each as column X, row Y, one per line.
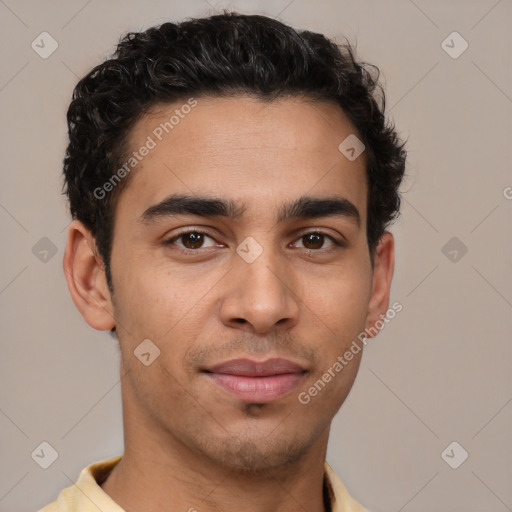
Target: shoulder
column 86, row 495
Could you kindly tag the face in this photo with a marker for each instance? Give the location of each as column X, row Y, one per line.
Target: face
column 240, row 251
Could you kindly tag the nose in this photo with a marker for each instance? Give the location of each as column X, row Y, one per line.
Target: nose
column 260, row 296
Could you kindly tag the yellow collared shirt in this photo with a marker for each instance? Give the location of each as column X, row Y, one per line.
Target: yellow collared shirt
column 86, row 495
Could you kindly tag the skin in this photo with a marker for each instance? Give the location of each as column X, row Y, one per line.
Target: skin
column 189, row 443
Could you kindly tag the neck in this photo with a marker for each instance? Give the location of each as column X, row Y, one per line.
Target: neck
column 163, row 476
column 143, row 484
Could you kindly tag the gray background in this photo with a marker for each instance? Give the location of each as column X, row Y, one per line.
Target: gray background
column 439, row 372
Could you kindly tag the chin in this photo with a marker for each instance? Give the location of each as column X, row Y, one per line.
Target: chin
column 253, row 457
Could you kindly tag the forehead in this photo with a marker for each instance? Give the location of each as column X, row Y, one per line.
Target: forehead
column 244, row 148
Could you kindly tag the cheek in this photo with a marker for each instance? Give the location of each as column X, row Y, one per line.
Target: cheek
column 151, row 301
column 338, row 313
column 166, row 307
column 342, row 299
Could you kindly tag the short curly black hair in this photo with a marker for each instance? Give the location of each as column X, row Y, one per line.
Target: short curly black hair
column 223, row 55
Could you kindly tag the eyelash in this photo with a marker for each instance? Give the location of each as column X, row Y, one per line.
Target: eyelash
column 171, row 241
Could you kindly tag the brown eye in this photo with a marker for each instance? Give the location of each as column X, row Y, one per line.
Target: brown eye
column 316, row 241
column 313, row 240
column 191, row 240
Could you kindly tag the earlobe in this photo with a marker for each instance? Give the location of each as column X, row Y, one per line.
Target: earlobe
column 384, row 264
column 86, row 279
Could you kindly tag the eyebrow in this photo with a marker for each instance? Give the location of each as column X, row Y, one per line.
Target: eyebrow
column 306, row 207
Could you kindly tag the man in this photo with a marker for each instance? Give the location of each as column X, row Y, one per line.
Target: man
column 230, row 181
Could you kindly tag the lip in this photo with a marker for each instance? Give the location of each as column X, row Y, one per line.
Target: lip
column 257, row 381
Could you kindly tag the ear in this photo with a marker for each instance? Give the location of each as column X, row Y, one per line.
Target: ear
column 384, row 264
column 85, row 275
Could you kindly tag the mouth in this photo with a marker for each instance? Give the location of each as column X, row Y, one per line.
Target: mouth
column 257, row 381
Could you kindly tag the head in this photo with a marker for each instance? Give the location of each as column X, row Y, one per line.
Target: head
column 231, row 129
